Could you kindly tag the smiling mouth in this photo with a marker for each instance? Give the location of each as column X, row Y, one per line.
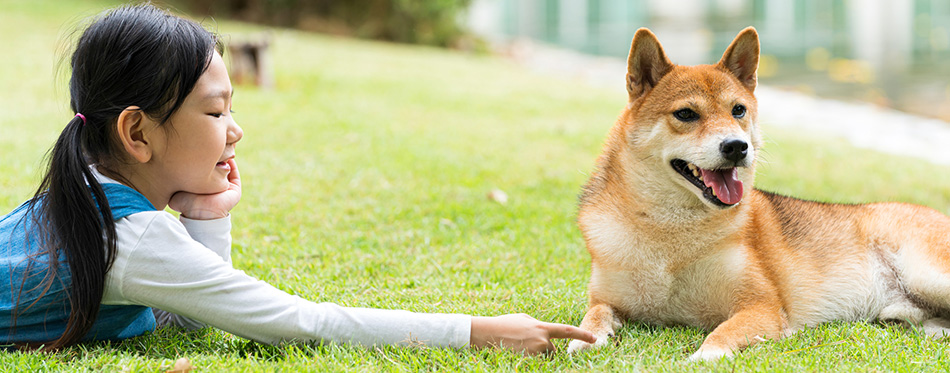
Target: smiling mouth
column 225, row 161
column 721, row 187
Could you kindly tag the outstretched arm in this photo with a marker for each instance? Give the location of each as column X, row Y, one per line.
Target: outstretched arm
column 162, row 267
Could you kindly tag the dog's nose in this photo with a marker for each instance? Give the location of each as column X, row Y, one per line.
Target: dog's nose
column 734, row 149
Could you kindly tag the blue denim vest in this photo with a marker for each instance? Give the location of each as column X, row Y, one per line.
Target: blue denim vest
column 42, row 317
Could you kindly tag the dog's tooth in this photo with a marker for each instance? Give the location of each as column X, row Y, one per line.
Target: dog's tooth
column 713, row 192
column 691, row 166
column 695, row 173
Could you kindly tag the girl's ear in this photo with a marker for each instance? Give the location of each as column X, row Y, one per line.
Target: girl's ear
column 132, row 127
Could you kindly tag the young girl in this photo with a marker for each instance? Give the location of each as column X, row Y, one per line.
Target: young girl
column 93, row 255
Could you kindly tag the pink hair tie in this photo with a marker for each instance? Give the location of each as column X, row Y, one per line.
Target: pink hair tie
column 83, row 117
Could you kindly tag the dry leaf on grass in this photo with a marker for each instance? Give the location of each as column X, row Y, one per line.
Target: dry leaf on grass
column 181, row 366
column 498, row 195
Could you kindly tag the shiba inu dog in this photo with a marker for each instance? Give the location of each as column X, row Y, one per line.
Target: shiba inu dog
column 678, row 235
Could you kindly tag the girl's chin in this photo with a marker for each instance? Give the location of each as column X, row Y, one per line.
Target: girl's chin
column 223, row 186
column 215, row 186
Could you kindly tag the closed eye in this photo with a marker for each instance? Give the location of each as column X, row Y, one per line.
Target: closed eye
column 218, row 115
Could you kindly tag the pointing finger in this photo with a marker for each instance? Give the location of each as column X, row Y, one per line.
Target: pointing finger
column 572, row 332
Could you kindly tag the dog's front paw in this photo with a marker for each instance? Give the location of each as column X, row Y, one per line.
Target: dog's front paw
column 709, row 354
column 577, row 345
column 936, row 328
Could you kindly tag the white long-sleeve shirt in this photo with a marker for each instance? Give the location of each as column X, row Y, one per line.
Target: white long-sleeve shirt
column 183, row 267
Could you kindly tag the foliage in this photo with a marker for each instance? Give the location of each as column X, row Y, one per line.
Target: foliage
column 430, row 22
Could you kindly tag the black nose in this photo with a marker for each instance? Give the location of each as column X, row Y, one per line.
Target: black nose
column 734, row 149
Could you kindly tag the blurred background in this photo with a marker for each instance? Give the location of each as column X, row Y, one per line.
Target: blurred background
column 892, row 53
column 889, row 52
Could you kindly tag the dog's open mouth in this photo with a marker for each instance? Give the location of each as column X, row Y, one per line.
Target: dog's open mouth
column 721, row 187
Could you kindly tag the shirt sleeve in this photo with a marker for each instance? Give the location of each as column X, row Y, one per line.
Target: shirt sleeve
column 164, row 267
column 214, row 235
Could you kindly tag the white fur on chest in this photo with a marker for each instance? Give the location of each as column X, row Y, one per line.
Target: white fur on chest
column 637, row 275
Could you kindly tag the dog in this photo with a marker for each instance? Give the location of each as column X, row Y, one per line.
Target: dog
column 678, row 235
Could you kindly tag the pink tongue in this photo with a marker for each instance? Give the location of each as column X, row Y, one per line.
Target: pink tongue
column 726, row 184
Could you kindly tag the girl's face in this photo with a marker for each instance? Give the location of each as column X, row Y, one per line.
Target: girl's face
column 200, row 137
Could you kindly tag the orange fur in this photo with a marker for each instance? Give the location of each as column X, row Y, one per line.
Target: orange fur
column 664, row 252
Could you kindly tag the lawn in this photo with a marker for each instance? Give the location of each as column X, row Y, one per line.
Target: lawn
column 366, row 171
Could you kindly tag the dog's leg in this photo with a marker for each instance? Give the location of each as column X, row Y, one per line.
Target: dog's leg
column 601, row 320
column 750, row 325
column 924, row 269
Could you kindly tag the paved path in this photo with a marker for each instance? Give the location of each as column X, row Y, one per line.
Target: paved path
column 864, row 125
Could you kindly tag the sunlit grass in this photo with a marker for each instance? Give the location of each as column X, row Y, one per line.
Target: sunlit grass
column 365, row 174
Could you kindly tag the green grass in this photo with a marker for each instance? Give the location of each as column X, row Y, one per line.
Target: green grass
column 365, row 178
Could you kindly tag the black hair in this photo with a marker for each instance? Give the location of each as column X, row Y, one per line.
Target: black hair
column 129, row 56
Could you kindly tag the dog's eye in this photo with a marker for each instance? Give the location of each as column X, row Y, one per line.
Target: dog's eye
column 738, row 111
column 686, row 115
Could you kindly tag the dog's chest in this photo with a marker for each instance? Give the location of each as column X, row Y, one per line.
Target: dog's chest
column 651, row 286
column 665, row 279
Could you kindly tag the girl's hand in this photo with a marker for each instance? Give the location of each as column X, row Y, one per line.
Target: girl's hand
column 522, row 333
column 209, row 206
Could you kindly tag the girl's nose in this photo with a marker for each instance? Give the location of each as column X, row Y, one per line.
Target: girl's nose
column 235, row 133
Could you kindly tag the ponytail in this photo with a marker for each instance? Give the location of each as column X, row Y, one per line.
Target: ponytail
column 77, row 220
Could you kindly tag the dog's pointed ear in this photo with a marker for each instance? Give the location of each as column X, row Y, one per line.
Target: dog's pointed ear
column 742, row 57
column 646, row 64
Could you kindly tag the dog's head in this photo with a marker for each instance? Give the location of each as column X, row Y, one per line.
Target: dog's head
column 697, row 124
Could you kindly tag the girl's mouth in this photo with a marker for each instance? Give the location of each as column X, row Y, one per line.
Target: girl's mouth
column 225, row 163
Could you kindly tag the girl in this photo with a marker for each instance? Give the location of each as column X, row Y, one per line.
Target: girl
column 93, row 255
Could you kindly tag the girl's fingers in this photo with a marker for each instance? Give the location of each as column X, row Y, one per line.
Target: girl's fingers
column 234, row 177
column 569, row 331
